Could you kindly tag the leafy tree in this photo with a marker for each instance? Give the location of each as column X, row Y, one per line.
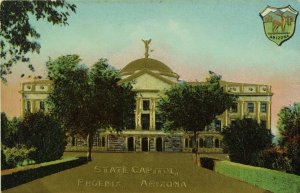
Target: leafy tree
column 289, row 127
column 44, row 133
column 10, row 133
column 192, row 107
column 244, row 139
column 86, row 100
column 273, row 158
column 18, row 36
column 4, row 128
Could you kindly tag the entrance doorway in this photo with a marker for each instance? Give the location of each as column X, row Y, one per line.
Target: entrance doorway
column 159, row 144
column 130, row 144
column 145, row 145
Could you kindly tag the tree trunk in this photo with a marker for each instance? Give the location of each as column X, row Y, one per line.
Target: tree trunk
column 197, row 157
column 90, row 146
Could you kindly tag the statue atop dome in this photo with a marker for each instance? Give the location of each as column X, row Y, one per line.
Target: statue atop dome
column 146, row 42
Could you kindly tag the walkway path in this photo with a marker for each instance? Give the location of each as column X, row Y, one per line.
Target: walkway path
column 137, row 173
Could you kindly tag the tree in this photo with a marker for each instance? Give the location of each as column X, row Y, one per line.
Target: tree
column 11, row 135
column 193, row 107
column 289, row 128
column 86, row 100
column 244, row 139
column 45, row 134
column 18, row 36
column 4, row 128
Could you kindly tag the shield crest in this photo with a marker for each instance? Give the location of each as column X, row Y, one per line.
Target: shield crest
column 279, row 23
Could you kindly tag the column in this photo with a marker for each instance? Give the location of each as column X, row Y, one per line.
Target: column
column 225, row 120
column 32, row 105
column 22, row 106
column 242, row 104
column 152, row 114
column 268, row 124
column 258, row 111
column 138, row 114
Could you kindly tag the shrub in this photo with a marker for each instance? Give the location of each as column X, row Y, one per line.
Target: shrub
column 10, row 135
column 17, row 156
column 45, row 134
column 273, row 158
column 289, row 127
column 293, row 152
column 244, row 139
column 3, row 160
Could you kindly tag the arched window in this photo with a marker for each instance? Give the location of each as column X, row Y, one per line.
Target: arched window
column 201, row 143
column 217, row 143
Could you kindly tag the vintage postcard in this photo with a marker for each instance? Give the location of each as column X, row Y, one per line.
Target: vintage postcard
column 150, row 96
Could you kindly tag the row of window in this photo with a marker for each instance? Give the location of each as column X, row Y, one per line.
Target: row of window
column 28, row 106
column 208, row 142
column 233, row 109
column 250, row 107
column 97, row 142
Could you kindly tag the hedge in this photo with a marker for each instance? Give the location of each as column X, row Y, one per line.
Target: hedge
column 20, row 175
column 275, row 181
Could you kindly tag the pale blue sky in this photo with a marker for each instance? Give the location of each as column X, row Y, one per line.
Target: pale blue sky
column 192, row 37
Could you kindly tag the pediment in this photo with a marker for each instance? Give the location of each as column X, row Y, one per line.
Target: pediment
column 148, row 81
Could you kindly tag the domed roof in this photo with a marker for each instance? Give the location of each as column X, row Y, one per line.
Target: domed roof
column 149, row 64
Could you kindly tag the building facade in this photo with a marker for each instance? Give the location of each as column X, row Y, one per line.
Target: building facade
column 151, row 79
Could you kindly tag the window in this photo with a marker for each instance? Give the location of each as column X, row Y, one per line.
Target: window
column 191, row 142
column 217, row 143
column 234, row 108
column 146, row 105
column 250, row 107
column 263, row 123
column 95, row 141
column 233, row 122
column 214, row 126
column 263, row 107
column 103, row 142
column 186, row 142
column 28, row 106
column 201, row 143
column 145, row 121
column 42, row 106
column 158, row 121
column 209, row 143
column 218, row 125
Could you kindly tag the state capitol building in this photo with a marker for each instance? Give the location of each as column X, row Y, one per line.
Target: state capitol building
column 151, row 79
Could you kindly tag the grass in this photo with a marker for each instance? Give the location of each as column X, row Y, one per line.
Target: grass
column 275, row 181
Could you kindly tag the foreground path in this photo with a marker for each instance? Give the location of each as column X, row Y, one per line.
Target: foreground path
column 137, row 173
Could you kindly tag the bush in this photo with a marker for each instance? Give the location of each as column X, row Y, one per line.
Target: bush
column 289, row 127
column 244, row 139
column 3, row 160
column 273, row 158
column 45, row 134
column 10, row 135
column 17, row 156
column 293, row 152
